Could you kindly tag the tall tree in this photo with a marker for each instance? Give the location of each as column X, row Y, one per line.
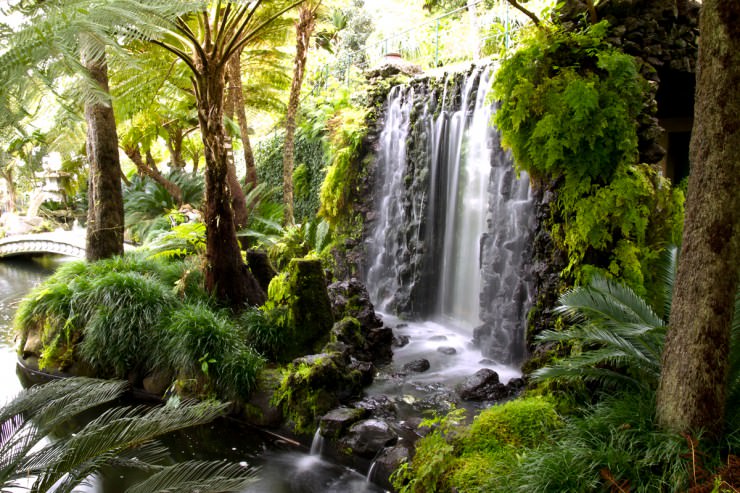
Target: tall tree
column 206, row 42
column 104, row 236
column 236, row 92
column 304, row 27
column 692, row 387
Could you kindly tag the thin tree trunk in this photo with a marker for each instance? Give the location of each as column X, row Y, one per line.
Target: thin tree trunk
column 174, row 146
column 225, row 273
column 105, row 199
column 691, row 394
column 237, row 94
column 303, row 30
column 12, row 199
column 238, row 200
column 149, row 168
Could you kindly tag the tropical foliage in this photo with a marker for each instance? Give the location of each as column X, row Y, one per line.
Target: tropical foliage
column 34, row 454
column 134, row 316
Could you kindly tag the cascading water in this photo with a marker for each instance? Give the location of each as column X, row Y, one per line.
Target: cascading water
column 453, row 223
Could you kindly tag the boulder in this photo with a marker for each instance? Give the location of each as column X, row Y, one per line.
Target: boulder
column 418, row 365
column 483, row 386
column 449, row 351
column 334, row 423
column 387, row 462
column 261, row 268
column 367, row 437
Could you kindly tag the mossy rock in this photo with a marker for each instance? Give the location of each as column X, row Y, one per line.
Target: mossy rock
column 312, row 386
column 310, row 307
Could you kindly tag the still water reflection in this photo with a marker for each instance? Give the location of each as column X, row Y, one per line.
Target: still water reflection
column 281, row 467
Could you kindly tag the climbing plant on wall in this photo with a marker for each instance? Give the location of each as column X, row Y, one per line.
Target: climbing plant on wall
column 569, row 110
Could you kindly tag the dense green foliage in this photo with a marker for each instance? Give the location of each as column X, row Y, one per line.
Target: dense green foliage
column 135, row 316
column 307, row 176
column 569, row 108
column 146, row 202
column 569, row 105
column 478, row 457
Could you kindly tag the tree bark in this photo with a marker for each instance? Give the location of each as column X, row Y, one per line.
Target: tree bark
column 237, row 93
column 175, row 136
column 691, row 394
column 149, row 168
column 303, row 30
column 226, row 275
column 238, row 200
column 105, row 199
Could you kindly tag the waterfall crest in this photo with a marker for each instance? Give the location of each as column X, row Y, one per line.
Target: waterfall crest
column 453, row 223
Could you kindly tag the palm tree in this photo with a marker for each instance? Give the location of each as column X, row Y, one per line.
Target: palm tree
column 124, row 436
column 303, row 29
column 206, row 42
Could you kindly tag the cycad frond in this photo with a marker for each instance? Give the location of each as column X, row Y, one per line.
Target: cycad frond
column 607, row 300
column 620, row 336
column 194, row 476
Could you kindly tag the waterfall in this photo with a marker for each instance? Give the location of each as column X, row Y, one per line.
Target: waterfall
column 453, row 222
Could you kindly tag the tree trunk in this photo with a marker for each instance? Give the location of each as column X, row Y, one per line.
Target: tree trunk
column 175, row 136
column 149, row 168
column 691, row 394
column 105, row 199
column 237, row 93
column 303, row 30
column 238, row 200
column 225, row 273
column 12, row 198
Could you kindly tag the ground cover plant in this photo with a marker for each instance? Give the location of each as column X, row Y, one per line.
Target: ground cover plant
column 134, row 316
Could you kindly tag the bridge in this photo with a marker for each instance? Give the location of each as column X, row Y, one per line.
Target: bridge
column 69, row 243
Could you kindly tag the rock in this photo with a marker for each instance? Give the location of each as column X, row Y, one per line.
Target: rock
column 483, row 386
column 337, row 421
column 388, row 461
column 310, row 308
column 33, row 345
column 350, row 298
column 366, row 370
column 157, row 383
column 438, row 338
column 400, row 341
column 259, row 409
column 449, row 351
column 261, row 268
column 378, row 406
column 366, row 438
column 314, row 385
column 379, row 342
column 418, row 365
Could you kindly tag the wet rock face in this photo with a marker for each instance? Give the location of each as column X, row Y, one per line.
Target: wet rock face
column 387, row 462
column 359, row 327
column 338, row 420
column 366, row 438
column 485, row 386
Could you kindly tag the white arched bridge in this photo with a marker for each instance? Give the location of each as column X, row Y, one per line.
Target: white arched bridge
column 69, row 243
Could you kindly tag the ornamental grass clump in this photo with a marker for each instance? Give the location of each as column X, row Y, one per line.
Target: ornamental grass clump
column 133, row 316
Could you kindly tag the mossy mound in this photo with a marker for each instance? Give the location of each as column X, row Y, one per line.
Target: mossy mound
column 313, row 385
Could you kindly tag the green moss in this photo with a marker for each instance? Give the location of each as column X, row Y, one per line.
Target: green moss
column 298, row 305
column 312, row 387
column 478, row 457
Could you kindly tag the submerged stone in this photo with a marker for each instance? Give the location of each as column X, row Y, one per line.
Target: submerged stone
column 419, row 365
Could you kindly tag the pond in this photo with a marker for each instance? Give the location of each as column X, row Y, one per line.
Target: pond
column 283, row 467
